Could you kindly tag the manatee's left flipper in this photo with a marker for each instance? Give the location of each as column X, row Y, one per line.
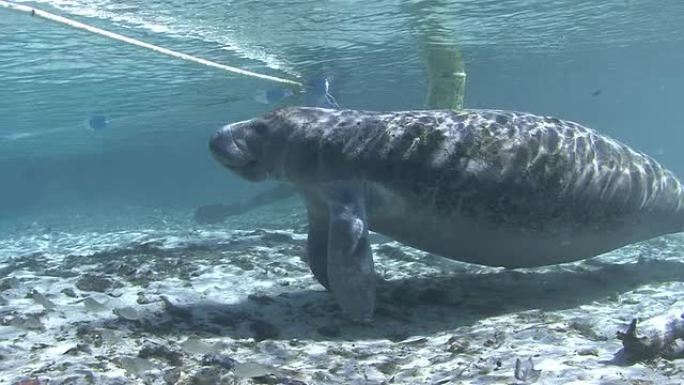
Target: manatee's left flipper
column 317, row 239
column 351, row 275
column 218, row 212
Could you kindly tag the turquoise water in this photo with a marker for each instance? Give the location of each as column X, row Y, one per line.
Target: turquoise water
column 118, row 202
column 614, row 66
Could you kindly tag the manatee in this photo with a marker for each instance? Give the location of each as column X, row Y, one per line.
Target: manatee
column 490, row 187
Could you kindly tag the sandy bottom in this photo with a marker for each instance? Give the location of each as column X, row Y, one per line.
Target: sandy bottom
column 216, row 306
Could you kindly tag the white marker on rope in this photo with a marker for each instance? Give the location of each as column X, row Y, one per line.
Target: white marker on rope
column 75, row 24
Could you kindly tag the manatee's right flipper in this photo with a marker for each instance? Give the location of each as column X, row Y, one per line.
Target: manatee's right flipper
column 351, row 274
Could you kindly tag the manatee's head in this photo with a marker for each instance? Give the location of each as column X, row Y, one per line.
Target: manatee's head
column 283, row 144
column 250, row 148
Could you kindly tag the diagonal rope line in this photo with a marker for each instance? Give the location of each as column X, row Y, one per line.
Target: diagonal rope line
column 115, row 36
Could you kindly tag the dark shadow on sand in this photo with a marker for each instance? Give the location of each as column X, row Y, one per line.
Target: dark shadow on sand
column 406, row 307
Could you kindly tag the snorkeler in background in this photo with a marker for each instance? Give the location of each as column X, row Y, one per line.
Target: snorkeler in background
column 444, row 66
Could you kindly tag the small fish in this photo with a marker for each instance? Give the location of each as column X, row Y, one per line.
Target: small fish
column 41, row 299
column 135, row 365
column 414, row 340
column 218, row 359
column 11, row 282
column 29, row 381
column 30, row 322
column 92, row 305
column 596, row 93
column 97, row 121
column 196, row 346
column 525, row 371
column 110, row 337
column 252, row 369
column 78, row 349
column 127, row 312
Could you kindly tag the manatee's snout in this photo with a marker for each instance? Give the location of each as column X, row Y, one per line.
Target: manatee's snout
column 239, row 147
column 229, row 148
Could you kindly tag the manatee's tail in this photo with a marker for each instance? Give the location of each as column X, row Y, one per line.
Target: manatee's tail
column 670, row 190
column 680, row 212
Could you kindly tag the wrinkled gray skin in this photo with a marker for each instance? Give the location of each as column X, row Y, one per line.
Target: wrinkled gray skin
column 489, row 187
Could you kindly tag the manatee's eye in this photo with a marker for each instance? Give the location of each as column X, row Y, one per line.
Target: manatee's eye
column 260, row 128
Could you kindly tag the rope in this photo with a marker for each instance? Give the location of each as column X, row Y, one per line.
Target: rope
column 116, row 36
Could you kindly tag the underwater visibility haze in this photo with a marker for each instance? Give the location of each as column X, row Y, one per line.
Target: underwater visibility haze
column 130, row 254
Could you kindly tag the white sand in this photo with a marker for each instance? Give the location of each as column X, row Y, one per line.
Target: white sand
column 438, row 321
